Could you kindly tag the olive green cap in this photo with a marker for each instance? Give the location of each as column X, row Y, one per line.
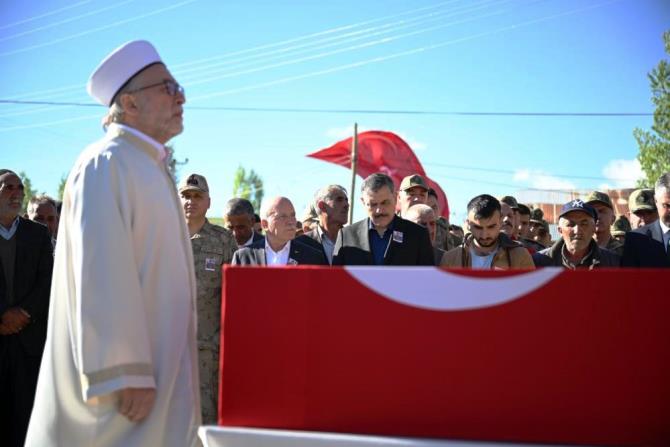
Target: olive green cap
column 641, row 199
column 620, row 226
column 597, row 196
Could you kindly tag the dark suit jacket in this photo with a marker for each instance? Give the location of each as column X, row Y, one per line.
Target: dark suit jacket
column 353, row 245
column 32, row 282
column 299, row 252
column 644, row 247
column 313, row 239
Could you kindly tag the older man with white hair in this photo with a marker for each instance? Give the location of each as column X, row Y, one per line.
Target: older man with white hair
column 279, row 247
column 424, row 215
column 120, row 364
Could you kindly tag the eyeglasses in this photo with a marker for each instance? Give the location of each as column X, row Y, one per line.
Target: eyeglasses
column 171, row 87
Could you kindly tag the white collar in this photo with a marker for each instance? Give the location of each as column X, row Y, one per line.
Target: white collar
column 664, row 228
column 162, row 153
column 250, row 241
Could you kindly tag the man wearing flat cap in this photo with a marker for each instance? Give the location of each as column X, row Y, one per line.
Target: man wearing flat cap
column 413, row 190
column 120, row 365
column 577, row 249
column 213, row 246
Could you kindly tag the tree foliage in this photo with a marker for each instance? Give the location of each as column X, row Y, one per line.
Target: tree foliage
column 28, row 190
column 654, row 145
column 248, row 186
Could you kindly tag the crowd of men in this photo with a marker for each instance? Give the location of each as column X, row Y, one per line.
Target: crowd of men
column 134, row 277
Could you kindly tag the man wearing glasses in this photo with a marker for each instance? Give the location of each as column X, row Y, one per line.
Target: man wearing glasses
column 120, row 365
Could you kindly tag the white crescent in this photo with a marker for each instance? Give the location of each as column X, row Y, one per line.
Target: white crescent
column 435, row 289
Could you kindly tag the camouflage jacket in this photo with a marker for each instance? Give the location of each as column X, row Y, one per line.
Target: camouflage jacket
column 443, row 239
column 212, row 246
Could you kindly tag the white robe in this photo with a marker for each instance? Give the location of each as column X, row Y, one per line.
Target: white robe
column 122, row 310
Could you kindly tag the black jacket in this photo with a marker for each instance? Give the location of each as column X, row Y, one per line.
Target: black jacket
column 644, row 248
column 553, row 256
column 32, row 282
column 353, row 245
column 302, row 254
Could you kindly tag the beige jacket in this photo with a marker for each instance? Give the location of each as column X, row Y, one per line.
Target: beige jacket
column 510, row 255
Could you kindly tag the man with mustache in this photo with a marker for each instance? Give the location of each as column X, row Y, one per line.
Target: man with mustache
column 382, row 238
column 577, row 248
column 120, row 365
column 486, row 246
column 331, row 206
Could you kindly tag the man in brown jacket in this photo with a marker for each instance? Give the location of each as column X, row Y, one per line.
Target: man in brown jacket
column 485, row 247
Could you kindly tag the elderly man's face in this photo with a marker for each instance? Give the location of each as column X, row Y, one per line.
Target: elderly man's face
column 380, row 206
column 577, row 229
column 641, row 218
column 242, row 227
column 157, row 114
column 485, row 231
column 508, row 221
column 336, row 207
column 195, row 203
column 280, row 223
column 412, row 196
column 11, row 196
column 427, row 220
column 46, row 214
column 663, row 206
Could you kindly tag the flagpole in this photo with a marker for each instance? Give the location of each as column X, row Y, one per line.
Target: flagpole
column 354, row 162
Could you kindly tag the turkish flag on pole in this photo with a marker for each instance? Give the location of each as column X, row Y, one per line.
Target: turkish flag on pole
column 380, row 151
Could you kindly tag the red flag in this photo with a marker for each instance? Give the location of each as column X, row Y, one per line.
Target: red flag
column 380, row 151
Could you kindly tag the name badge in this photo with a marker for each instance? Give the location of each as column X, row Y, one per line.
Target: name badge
column 291, row 261
column 397, row 237
column 210, row 264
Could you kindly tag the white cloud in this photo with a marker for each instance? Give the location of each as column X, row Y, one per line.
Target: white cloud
column 340, row 133
column 623, row 173
column 541, row 180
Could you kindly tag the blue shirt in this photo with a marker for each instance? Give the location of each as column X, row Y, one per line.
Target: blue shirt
column 8, row 233
column 379, row 244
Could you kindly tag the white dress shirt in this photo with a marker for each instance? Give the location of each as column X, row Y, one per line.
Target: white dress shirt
column 280, row 257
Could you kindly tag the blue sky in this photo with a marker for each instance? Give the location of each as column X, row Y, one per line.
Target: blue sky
column 445, row 56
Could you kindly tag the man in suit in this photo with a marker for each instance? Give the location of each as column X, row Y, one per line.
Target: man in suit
column 648, row 246
column 240, row 220
column 26, row 261
column 382, row 238
column 331, row 205
column 278, row 248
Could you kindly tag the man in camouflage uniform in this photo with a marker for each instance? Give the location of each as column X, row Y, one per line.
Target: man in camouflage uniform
column 619, row 229
column 444, row 240
column 642, row 207
column 212, row 246
column 603, row 205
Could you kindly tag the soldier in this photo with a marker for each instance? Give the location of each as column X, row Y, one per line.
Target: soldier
column 213, row 246
column 535, row 223
column 543, row 236
column 619, row 228
column 603, row 205
column 524, row 230
column 642, row 208
column 444, row 239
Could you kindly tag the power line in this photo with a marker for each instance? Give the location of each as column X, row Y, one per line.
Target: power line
column 46, row 14
column 354, row 111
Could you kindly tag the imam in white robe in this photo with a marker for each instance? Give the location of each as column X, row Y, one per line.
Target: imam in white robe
column 122, row 310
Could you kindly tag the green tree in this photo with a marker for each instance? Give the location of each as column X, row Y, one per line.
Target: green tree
column 61, row 187
column 248, row 186
column 28, row 190
column 654, row 145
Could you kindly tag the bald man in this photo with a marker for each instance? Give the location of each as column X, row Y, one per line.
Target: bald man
column 279, row 247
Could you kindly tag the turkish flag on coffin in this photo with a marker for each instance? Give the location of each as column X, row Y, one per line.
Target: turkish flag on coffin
column 549, row 356
column 385, row 152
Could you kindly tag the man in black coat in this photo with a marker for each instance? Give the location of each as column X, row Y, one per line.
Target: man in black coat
column 26, row 262
column 649, row 246
column 278, row 247
column 382, row 238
